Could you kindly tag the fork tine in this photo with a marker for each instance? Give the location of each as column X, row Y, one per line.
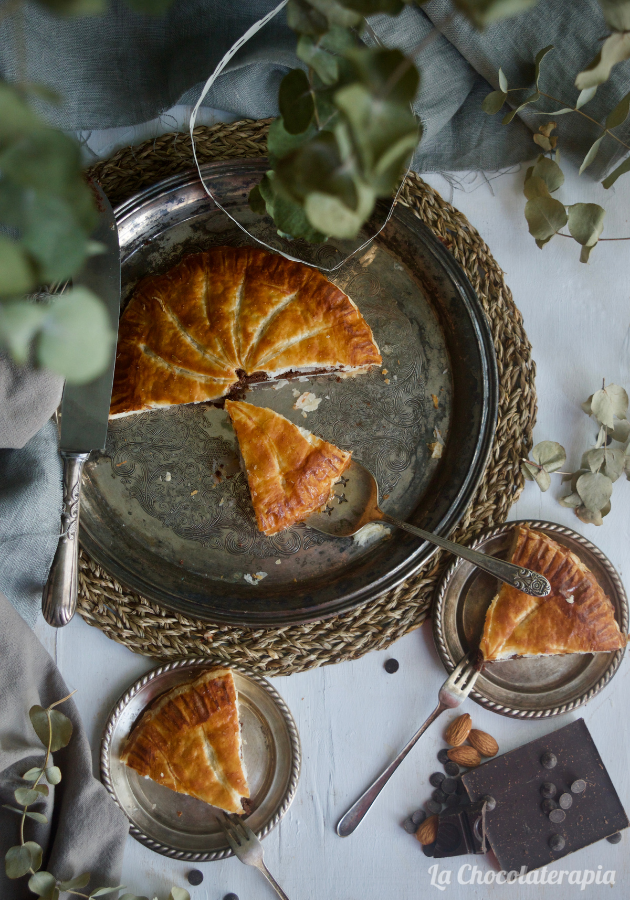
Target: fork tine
column 461, row 665
column 470, row 681
column 231, row 839
column 237, row 825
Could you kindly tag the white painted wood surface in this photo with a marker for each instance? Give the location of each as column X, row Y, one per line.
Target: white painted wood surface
column 354, row 717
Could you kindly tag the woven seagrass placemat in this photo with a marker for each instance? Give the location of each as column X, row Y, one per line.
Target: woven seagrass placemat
column 149, row 629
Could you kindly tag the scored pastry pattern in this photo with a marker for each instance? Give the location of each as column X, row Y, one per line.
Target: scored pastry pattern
column 383, row 424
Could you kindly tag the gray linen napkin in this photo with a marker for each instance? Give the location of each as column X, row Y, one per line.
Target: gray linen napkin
column 87, row 832
column 30, row 483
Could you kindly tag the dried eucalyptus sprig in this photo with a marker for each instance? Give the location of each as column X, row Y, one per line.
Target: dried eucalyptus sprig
column 54, row 730
column 601, row 466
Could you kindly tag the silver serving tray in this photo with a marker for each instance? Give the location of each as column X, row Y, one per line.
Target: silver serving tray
column 524, row 688
column 183, row 827
column 166, row 510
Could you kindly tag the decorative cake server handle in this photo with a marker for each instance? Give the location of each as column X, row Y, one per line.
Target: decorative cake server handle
column 517, row 576
column 59, row 600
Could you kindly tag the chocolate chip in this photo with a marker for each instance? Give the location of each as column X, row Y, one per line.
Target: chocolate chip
column 452, row 800
column 391, row 666
column 614, row 838
column 548, row 760
column 557, row 815
column 556, row 842
column 230, row 896
column 436, row 779
column 418, row 817
column 548, row 805
column 451, row 768
column 195, row 877
column 443, row 757
column 438, row 795
column 490, row 803
column 409, row 825
column 449, row 785
column 548, row 790
column 578, row 786
column 565, row 801
column 432, row 807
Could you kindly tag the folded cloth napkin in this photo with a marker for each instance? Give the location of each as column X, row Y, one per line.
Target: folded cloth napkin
column 87, row 831
column 30, row 483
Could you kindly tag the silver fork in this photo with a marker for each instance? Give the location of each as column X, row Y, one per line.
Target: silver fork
column 247, row 848
column 453, row 692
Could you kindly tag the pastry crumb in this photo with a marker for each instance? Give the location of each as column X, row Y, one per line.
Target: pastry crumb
column 167, row 477
column 384, row 372
column 192, row 493
column 369, row 533
column 307, row 402
column 436, row 449
column 387, row 381
column 303, row 414
column 368, row 256
column 255, row 578
column 295, row 392
column 436, row 400
column 278, row 562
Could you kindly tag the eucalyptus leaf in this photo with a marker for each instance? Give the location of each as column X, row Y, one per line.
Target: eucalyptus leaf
column 32, row 774
column 19, row 322
column 621, row 431
column 256, row 202
column 535, row 186
column 538, row 60
column 545, row 216
column 101, row 892
column 602, row 407
column 542, row 479
column 36, row 816
column 43, row 884
column 16, row 117
column 288, row 215
column 26, row 796
column 586, row 223
column 550, row 454
column 296, row 102
column 386, row 75
column 53, row 236
column 619, row 399
column 338, row 13
column 615, row 49
column 601, row 435
column 305, row 19
column 589, row 516
column 593, row 459
column 529, row 470
column 280, row 142
column 595, row 490
column 571, row 501
column 620, row 113
column 614, row 461
column 484, row 12
column 616, row 13
column 20, row 860
column 79, row 881
column 544, row 142
column 45, row 160
column 586, row 406
column 60, row 726
column 550, row 172
column 592, row 153
column 531, row 99
column 320, row 60
column 329, row 214
column 178, row 893
column 585, row 97
column 17, row 275
column 503, row 82
column 77, row 319
column 493, row 102
column 132, row 897
column 609, row 180
column 42, row 789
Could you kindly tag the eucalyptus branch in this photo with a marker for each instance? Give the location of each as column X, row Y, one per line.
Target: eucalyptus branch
column 586, row 116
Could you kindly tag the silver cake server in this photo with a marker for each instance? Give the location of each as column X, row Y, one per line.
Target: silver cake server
column 355, row 504
column 84, row 418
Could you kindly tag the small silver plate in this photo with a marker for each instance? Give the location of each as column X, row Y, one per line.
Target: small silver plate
column 524, row 688
column 182, row 827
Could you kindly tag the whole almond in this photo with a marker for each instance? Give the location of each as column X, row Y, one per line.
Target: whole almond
column 483, row 742
column 465, row 756
column 427, row 832
column 458, row 730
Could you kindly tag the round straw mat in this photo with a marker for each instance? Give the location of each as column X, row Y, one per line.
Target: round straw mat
column 149, row 629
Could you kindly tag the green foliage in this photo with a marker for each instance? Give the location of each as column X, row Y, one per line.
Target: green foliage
column 601, row 466
column 51, row 727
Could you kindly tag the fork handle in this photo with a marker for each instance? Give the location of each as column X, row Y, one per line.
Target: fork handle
column 517, row 576
column 272, row 881
column 358, row 810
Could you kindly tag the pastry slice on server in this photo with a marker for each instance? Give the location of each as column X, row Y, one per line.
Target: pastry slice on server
column 189, row 740
column 291, row 472
column 576, row 617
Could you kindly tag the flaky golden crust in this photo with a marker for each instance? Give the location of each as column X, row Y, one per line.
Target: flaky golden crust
column 576, row 617
column 189, row 741
column 290, row 476
column 184, row 335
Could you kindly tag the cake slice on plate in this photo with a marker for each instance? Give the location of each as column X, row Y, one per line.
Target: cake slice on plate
column 576, row 617
column 189, row 740
column 290, row 472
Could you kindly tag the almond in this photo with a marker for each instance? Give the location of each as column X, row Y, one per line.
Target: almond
column 458, row 730
column 483, row 742
column 465, row 756
column 427, row 832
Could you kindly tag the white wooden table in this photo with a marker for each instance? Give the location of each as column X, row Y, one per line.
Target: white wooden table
column 354, row 717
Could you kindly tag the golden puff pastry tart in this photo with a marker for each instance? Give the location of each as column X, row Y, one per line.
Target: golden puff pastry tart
column 576, row 617
column 290, row 471
column 189, row 740
column 227, row 315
